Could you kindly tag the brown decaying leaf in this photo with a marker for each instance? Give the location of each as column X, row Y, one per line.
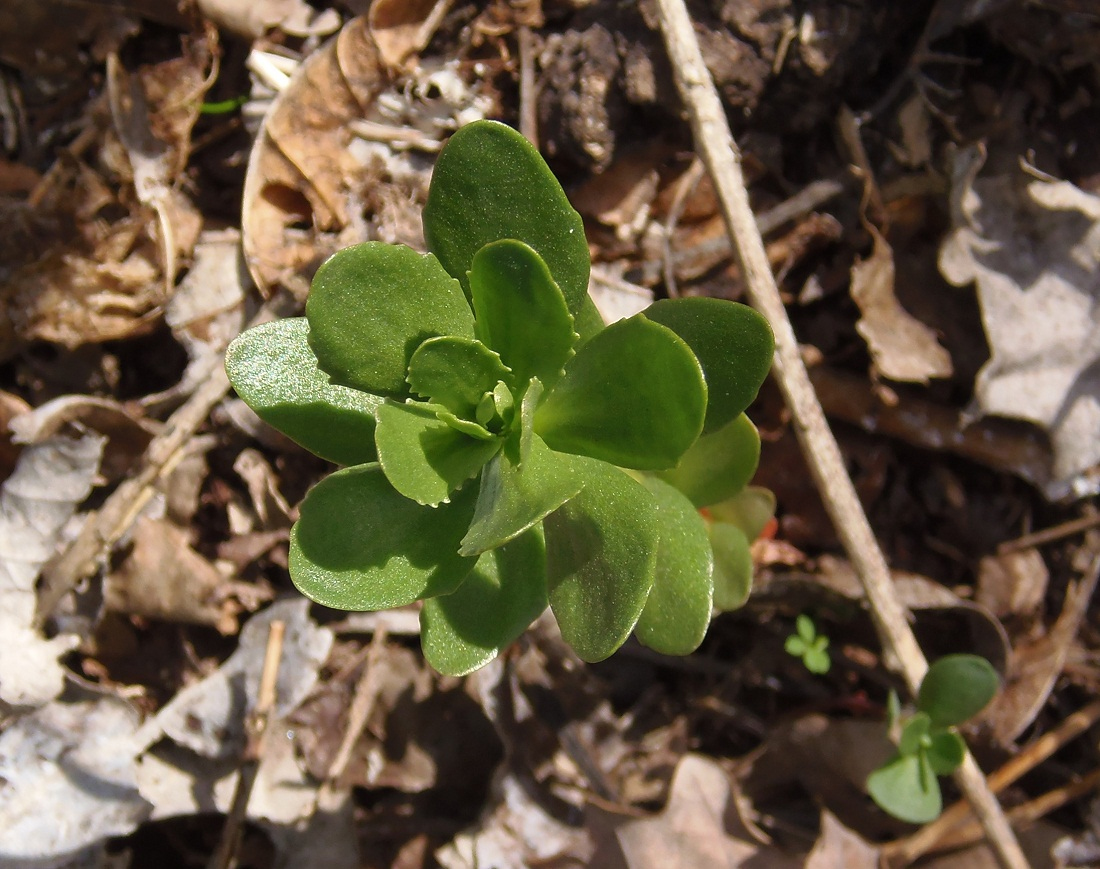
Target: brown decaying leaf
column 300, row 164
column 839, row 848
column 402, row 28
column 1013, row 583
column 901, row 346
column 164, row 578
column 700, row 826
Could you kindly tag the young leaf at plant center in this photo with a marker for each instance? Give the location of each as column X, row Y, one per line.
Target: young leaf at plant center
column 371, row 305
column 360, row 545
column 520, row 311
column 276, row 374
column 907, row 788
column 490, row 183
column 503, row 594
column 677, row 612
column 915, row 734
column 601, row 554
column 633, row 396
column 423, row 457
column 956, row 688
column 732, row 566
column 718, row 465
column 946, row 752
column 808, row 645
column 455, row 372
column 515, row 496
column 733, row 343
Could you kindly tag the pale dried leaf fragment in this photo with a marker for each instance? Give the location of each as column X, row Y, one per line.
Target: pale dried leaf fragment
column 208, row 716
column 1013, row 583
column 36, row 501
column 403, row 28
column 840, row 848
column 1032, row 247
column 67, row 781
column 902, row 347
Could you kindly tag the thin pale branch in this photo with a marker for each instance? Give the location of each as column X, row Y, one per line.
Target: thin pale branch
column 716, row 147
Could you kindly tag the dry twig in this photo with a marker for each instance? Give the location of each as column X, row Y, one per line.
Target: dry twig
column 719, row 152
column 255, row 728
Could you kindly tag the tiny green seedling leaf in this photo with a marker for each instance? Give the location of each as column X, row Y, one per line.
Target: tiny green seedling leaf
column 907, row 788
column 956, row 688
column 456, row 373
column 634, row 396
column 808, row 645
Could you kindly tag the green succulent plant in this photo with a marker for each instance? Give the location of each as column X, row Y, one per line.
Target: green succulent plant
column 504, row 449
column 955, row 689
column 806, row 643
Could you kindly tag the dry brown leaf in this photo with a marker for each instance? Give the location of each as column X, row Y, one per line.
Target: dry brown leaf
column 164, row 578
column 1012, row 584
column 699, row 826
column 902, row 347
column 271, row 507
column 300, row 164
column 253, row 18
column 402, row 28
column 840, row 848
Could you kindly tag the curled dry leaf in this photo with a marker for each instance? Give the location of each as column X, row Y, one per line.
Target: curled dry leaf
column 1013, row 583
column 36, row 501
column 838, row 846
column 1031, row 247
column 330, row 168
column 402, row 28
column 902, row 347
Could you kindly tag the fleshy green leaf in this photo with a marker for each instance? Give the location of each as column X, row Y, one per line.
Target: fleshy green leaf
column 520, row 311
column 732, row 566
column 795, row 645
column 816, row 660
column 907, row 788
column 718, row 465
column 946, row 753
column 371, row 305
column 805, row 627
column 423, row 457
column 956, row 688
column 587, row 322
column 750, row 510
column 515, row 496
column 455, row 372
column 633, row 396
column 360, row 545
column 677, row 612
column 601, row 554
column 504, row 593
column 914, row 736
column 490, row 183
column 276, row 374
column 733, row 343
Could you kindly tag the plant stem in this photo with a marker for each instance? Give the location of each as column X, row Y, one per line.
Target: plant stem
column 722, row 158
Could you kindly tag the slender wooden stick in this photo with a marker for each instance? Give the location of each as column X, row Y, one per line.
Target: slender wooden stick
column 720, row 154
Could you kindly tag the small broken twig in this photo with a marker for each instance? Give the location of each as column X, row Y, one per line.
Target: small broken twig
column 255, row 727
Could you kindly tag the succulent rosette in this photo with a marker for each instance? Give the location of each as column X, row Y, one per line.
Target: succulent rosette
column 505, row 450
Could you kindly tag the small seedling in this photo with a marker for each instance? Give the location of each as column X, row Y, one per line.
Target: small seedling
column 806, row 643
column 956, row 688
column 506, row 450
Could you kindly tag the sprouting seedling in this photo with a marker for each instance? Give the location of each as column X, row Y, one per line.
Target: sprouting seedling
column 955, row 689
column 506, row 450
column 806, row 643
